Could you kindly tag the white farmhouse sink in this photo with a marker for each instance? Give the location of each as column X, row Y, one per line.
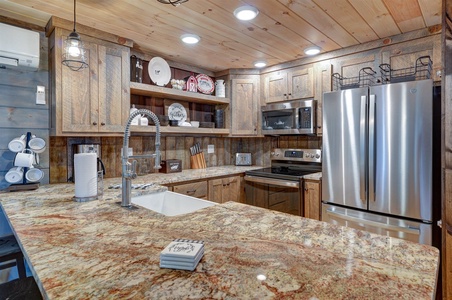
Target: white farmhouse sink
column 170, row 203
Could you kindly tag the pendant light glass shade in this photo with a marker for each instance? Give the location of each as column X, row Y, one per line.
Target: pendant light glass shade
column 172, row 2
column 73, row 52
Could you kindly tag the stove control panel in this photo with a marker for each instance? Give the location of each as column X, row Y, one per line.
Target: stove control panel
column 305, row 155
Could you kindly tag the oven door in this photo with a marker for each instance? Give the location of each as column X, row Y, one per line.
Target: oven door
column 275, row 194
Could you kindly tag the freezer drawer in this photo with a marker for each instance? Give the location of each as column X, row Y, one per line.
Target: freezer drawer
column 388, row 226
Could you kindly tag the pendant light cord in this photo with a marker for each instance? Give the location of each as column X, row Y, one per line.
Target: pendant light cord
column 74, row 14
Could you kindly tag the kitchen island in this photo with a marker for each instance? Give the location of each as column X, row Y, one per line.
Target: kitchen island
column 98, row 250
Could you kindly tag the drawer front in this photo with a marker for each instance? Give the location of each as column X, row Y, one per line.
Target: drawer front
column 195, row 189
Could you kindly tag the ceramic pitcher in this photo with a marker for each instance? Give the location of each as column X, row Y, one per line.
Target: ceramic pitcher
column 219, row 88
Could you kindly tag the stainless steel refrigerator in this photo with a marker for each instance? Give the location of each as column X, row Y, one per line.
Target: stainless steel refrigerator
column 377, row 159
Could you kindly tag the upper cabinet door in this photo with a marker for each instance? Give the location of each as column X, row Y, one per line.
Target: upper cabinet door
column 301, row 83
column 77, row 95
column 245, row 106
column 275, row 87
column 114, row 96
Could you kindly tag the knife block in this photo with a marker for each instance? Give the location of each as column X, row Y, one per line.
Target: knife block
column 198, row 161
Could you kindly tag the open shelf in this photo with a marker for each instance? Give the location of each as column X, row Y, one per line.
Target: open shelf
column 143, row 89
column 180, row 130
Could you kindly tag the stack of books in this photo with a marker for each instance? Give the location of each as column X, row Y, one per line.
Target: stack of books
column 182, row 254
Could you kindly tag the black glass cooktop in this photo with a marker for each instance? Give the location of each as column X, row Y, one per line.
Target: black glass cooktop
column 283, row 172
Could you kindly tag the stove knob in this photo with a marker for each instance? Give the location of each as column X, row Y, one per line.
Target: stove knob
column 312, row 155
column 272, row 153
column 317, row 156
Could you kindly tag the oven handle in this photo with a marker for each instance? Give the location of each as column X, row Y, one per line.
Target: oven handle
column 272, row 181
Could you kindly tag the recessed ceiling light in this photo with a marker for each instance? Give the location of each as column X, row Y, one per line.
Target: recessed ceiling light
column 260, row 64
column 246, row 13
column 312, row 50
column 189, row 38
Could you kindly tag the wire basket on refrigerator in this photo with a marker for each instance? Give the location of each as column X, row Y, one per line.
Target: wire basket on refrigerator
column 422, row 69
column 366, row 77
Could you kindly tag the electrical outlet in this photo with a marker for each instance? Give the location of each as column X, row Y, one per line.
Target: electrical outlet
column 210, row 149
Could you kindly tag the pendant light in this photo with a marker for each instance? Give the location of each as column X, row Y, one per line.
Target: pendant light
column 172, row 2
column 73, row 52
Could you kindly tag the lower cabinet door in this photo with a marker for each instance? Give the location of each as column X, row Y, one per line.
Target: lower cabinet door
column 312, row 199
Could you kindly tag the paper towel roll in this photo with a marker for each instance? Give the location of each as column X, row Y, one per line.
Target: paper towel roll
column 85, row 171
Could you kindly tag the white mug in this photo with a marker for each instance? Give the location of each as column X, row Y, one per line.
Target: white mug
column 24, row 158
column 34, row 174
column 14, row 175
column 36, row 144
column 17, row 144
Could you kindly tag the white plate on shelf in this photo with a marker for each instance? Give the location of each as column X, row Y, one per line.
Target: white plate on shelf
column 176, row 111
column 159, row 71
column 205, row 84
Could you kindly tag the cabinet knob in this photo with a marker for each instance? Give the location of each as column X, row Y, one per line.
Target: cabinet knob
column 319, row 127
column 94, row 123
column 285, row 95
column 103, row 123
column 290, row 94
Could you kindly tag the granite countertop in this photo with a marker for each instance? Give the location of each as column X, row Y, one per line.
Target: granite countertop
column 98, row 250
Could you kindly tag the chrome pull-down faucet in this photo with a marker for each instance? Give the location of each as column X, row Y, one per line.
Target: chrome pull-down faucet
column 129, row 169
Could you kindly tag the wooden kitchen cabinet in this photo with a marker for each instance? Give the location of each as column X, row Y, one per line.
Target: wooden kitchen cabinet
column 323, row 71
column 224, row 189
column 289, row 84
column 245, row 106
column 197, row 189
column 312, row 199
column 94, row 100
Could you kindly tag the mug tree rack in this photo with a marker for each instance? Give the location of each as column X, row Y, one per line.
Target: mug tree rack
column 24, row 186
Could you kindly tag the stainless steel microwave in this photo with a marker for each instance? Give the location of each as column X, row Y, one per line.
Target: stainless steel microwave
column 292, row 117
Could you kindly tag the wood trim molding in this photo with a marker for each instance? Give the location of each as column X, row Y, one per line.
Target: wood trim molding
column 409, row 36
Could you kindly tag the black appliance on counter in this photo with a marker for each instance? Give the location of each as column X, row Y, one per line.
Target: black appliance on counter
column 280, row 186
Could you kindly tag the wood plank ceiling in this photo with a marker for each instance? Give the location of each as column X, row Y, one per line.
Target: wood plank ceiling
column 280, row 32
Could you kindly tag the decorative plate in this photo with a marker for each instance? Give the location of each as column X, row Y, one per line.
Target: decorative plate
column 176, row 111
column 159, row 71
column 205, row 84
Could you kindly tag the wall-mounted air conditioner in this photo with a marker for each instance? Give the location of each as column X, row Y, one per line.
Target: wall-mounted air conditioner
column 19, row 48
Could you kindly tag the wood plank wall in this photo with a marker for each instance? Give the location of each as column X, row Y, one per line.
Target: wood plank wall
column 19, row 112
column 172, row 147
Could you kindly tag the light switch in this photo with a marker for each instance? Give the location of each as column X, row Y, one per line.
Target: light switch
column 210, row 148
column 41, row 95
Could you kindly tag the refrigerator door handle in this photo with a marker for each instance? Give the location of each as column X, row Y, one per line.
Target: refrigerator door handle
column 409, row 229
column 372, row 135
column 362, row 151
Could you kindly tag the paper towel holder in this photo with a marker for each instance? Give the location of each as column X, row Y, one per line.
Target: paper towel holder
column 100, row 190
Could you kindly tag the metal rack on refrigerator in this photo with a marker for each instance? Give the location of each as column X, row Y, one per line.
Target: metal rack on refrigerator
column 366, row 77
column 422, row 69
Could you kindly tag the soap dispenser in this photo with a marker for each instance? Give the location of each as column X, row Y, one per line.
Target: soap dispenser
column 135, row 120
